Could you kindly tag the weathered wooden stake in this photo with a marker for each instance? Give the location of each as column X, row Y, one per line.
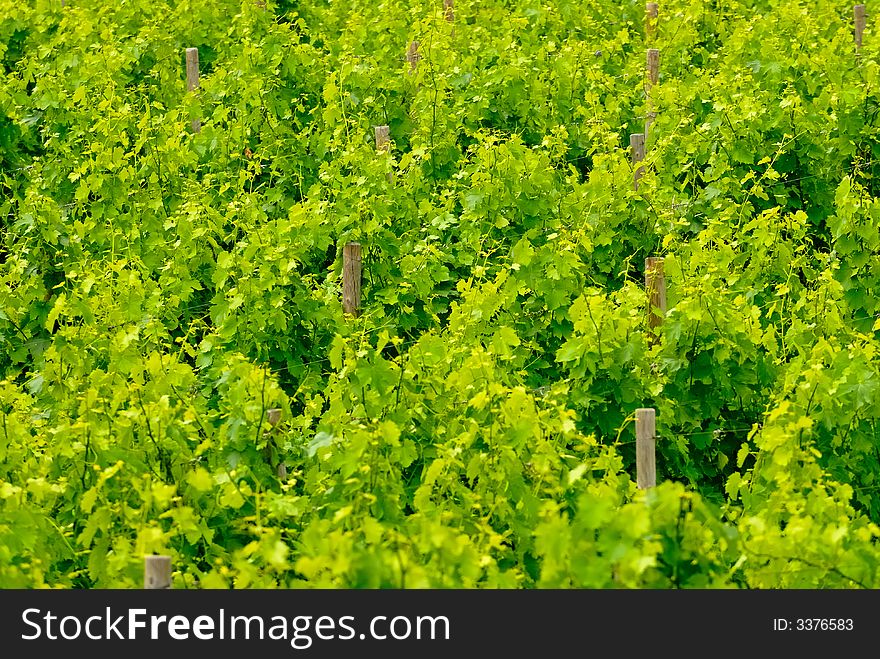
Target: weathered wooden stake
column 652, row 65
column 383, row 144
column 449, row 10
column 273, row 415
column 653, row 70
column 651, row 11
column 655, row 287
column 860, row 21
column 646, row 439
column 637, row 151
column 383, row 138
column 157, row 572
column 412, row 56
column 192, row 80
column 192, row 69
column 351, row 279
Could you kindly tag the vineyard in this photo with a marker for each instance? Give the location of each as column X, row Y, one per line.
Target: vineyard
column 354, row 293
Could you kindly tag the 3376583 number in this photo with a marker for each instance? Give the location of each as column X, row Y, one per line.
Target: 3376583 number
column 824, row 624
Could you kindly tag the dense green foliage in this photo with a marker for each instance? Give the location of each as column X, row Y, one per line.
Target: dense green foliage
column 161, row 290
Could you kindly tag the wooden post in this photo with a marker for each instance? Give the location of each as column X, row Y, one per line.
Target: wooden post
column 653, row 70
column 157, row 572
column 859, row 20
column 653, row 66
column 412, row 56
column 192, row 69
column 646, row 439
column 449, row 10
column 655, row 287
column 273, row 415
column 383, row 138
column 651, row 11
column 383, row 144
column 192, row 80
column 637, row 150
column 351, row 279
